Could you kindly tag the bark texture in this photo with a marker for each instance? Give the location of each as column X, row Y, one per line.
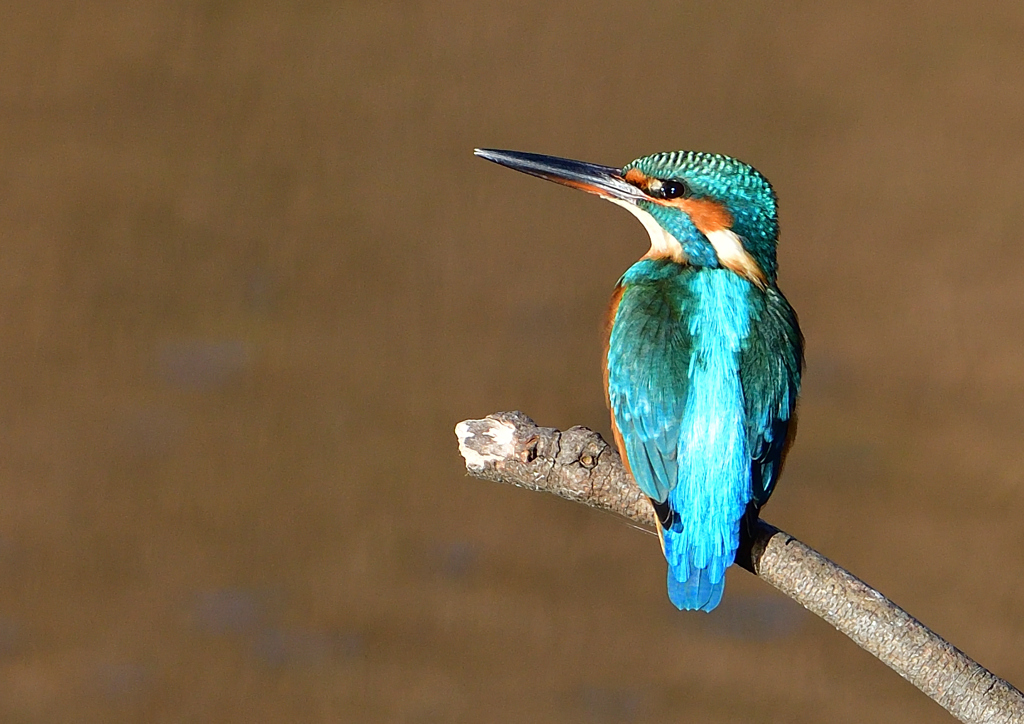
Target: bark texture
column 577, row 464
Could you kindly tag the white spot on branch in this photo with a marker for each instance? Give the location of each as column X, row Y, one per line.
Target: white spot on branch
column 482, row 442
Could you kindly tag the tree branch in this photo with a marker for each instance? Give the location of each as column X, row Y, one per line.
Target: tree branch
column 577, row 464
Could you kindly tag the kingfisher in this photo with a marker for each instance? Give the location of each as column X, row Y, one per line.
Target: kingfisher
column 703, row 353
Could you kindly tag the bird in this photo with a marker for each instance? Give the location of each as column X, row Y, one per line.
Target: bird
column 703, row 353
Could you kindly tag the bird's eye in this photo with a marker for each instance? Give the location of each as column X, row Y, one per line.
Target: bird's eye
column 673, row 190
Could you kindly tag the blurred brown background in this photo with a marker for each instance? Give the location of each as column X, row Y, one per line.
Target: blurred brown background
column 252, row 276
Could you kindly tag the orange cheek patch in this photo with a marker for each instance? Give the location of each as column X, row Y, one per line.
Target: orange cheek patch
column 706, row 215
column 636, row 177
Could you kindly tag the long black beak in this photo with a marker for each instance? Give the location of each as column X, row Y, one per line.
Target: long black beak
column 604, row 181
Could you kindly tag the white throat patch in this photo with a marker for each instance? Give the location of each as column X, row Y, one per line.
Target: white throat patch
column 732, row 255
column 663, row 244
column 727, row 244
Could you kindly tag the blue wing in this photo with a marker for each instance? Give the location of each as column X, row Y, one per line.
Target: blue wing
column 648, row 356
column 770, row 367
column 674, row 386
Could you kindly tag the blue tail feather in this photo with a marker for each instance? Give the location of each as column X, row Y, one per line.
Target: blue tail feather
column 696, row 575
column 696, row 593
